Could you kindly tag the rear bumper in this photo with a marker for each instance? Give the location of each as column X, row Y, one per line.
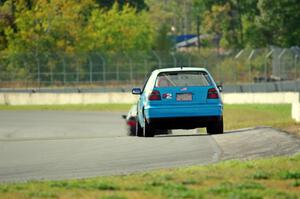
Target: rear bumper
column 199, row 110
column 183, row 122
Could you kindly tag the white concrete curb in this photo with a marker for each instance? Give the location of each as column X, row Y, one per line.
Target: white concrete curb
column 103, row 98
column 266, row 98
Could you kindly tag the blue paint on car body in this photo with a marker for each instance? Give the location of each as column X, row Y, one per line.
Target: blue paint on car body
column 176, row 94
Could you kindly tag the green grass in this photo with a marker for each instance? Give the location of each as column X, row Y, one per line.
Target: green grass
column 229, row 179
column 251, row 115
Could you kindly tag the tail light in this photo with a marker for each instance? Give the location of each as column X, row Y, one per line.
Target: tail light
column 155, row 95
column 212, row 93
column 131, row 122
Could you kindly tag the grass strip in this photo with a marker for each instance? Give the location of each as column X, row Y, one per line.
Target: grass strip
column 229, row 179
column 251, row 115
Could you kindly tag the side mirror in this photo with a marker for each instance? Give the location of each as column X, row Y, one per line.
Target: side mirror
column 136, row 91
column 124, row 116
column 220, row 87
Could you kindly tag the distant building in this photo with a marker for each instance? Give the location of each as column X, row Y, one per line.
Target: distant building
column 187, row 41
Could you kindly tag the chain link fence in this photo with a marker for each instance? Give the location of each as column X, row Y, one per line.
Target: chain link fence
column 127, row 68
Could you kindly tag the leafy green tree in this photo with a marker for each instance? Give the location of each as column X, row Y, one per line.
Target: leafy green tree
column 250, row 33
column 239, row 27
column 220, row 22
column 174, row 13
column 72, row 26
column 116, row 30
column 163, row 40
column 6, row 20
column 51, row 26
column 279, row 22
column 139, row 5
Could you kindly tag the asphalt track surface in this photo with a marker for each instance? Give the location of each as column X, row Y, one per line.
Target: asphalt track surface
column 42, row 145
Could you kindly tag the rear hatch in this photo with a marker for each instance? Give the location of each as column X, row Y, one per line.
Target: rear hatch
column 183, row 87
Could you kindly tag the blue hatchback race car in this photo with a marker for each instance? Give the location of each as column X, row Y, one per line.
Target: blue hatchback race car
column 179, row 98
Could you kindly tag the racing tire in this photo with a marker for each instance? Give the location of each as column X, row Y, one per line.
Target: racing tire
column 215, row 128
column 138, row 129
column 131, row 132
column 149, row 131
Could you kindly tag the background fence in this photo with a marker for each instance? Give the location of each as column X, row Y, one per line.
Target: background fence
column 44, row 69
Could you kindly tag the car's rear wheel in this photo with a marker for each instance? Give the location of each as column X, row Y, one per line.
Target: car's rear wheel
column 149, row 131
column 138, row 129
column 215, row 128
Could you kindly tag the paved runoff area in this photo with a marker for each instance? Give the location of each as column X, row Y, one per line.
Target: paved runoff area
column 42, row 145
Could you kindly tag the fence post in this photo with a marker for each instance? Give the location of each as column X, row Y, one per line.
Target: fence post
column 190, row 60
column 77, row 72
column 13, row 77
column 130, row 67
column 295, row 63
column 158, row 58
column 249, row 62
column 117, row 72
column 131, row 70
column 103, row 67
column 174, row 59
column 219, row 69
column 266, row 64
column 90, row 69
column 38, row 70
column 51, row 75
column 64, row 69
column 236, row 58
column 279, row 57
column 145, row 67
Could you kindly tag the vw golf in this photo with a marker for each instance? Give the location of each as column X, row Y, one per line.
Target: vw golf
column 179, row 98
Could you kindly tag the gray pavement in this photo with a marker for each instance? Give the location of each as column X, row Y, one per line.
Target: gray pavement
column 16, row 125
column 37, row 145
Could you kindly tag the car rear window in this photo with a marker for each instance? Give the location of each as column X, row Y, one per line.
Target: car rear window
column 182, row 78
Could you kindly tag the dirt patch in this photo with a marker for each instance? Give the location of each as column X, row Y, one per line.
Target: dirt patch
column 293, row 129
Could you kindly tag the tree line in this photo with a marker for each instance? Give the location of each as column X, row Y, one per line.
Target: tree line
column 72, row 26
column 134, row 25
column 234, row 23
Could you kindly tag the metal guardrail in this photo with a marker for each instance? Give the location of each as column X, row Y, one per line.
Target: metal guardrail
column 265, row 87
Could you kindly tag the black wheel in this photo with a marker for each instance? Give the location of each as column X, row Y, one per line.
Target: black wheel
column 138, row 129
column 131, row 132
column 148, row 130
column 215, row 128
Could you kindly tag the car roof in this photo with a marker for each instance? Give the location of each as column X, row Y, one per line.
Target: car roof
column 175, row 69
